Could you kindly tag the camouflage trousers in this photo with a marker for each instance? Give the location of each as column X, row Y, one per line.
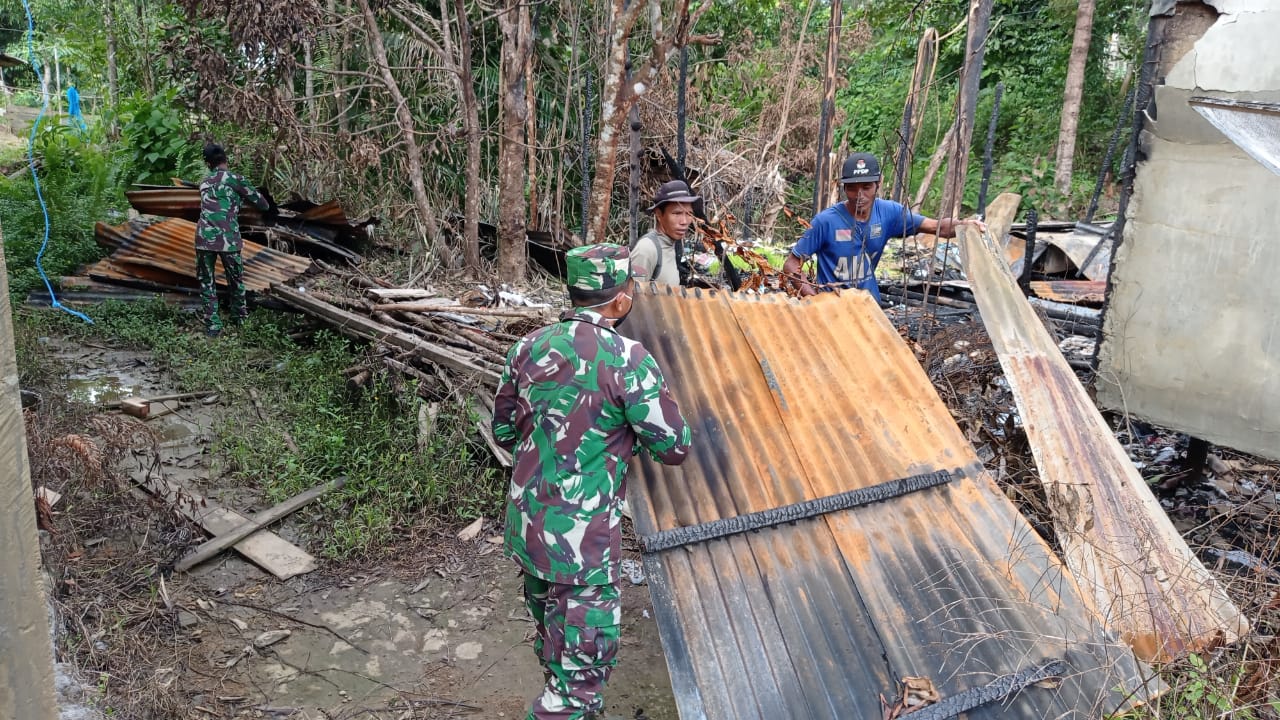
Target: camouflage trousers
column 577, row 645
column 233, row 268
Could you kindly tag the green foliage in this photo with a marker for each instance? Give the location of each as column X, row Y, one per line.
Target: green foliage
column 80, row 183
column 158, row 138
column 371, row 437
column 1199, row 691
column 1027, row 50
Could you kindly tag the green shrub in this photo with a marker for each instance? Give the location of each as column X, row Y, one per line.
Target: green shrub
column 80, row 184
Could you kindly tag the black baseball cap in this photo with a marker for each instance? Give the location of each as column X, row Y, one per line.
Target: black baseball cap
column 860, row 168
column 673, row 191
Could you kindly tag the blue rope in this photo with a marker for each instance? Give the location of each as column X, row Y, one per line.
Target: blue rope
column 35, row 179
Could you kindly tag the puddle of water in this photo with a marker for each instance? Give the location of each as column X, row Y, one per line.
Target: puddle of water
column 99, row 388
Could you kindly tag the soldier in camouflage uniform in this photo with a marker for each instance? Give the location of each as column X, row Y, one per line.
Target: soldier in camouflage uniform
column 218, row 236
column 576, row 402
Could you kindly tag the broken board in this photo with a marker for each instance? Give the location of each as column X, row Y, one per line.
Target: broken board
column 1117, row 540
column 265, row 549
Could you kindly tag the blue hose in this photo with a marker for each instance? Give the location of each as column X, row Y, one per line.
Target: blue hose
column 35, row 179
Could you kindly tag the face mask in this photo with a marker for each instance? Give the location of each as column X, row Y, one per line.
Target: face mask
column 631, row 306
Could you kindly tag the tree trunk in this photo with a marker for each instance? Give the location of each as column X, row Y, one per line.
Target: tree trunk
column 517, row 44
column 113, row 78
column 340, row 62
column 471, row 126
column 57, row 79
column 621, row 92
column 457, row 61
column 826, row 124
column 1072, row 95
column 413, row 154
column 531, row 139
column 309, row 86
column 958, row 162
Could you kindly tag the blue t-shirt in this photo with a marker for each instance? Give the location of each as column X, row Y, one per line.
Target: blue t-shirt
column 848, row 251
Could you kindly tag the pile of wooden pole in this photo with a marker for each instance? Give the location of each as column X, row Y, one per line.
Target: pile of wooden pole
column 433, row 339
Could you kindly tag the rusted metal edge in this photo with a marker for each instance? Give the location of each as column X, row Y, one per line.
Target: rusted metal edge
column 724, row 527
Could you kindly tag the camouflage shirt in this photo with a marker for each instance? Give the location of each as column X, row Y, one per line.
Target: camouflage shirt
column 221, row 195
column 576, row 402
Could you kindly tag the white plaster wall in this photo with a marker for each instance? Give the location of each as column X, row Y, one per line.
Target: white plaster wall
column 1193, row 327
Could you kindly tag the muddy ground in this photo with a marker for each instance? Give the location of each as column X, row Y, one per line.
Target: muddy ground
column 434, row 628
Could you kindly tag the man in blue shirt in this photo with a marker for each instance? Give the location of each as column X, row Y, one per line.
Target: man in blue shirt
column 848, row 238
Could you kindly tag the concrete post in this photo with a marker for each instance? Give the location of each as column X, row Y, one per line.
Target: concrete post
column 26, row 655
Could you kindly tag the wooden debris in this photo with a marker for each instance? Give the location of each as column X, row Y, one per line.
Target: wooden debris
column 1118, row 542
column 472, row 531
column 49, row 496
column 484, row 425
column 1070, row 291
column 116, row 404
column 266, row 549
column 480, row 366
column 254, row 524
column 435, row 307
column 427, row 414
column 399, row 293
column 135, row 407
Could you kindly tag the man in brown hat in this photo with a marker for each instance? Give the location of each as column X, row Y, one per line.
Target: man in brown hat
column 656, row 254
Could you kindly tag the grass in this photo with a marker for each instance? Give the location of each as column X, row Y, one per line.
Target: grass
column 370, row 436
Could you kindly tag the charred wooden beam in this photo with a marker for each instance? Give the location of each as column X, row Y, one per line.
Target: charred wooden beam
column 1116, row 539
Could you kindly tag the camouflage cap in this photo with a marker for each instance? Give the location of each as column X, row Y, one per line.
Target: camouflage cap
column 597, row 267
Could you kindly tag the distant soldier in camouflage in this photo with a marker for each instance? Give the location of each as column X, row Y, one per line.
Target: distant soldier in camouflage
column 576, row 402
column 218, row 236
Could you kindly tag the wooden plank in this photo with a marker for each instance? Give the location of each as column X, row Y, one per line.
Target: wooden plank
column 430, row 306
column 1115, row 537
column 254, row 524
column 399, row 293
column 26, row 681
column 265, row 549
column 1070, row 291
column 358, row 326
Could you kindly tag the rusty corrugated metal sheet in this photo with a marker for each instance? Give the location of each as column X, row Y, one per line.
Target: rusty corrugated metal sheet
column 164, row 253
column 1070, row 291
column 795, row 400
column 180, row 202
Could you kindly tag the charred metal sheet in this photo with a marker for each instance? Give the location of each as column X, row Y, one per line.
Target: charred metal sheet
column 164, row 253
column 1070, row 291
column 180, row 202
column 1088, row 252
column 819, row 619
column 1253, row 126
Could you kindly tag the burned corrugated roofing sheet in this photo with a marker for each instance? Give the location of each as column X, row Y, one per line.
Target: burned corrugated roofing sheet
column 791, row 401
column 164, row 253
column 179, row 202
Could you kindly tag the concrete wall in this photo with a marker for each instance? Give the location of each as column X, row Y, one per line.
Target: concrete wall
column 1193, row 326
column 26, row 656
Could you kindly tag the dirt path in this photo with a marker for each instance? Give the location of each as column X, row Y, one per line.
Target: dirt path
column 447, row 636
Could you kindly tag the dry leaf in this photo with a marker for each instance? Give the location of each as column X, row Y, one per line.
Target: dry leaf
column 470, row 532
column 270, row 637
